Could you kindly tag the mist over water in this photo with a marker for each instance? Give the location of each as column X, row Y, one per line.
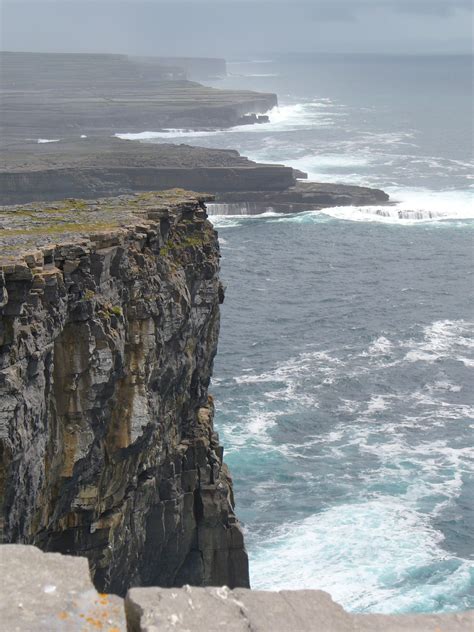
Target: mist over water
column 379, row 121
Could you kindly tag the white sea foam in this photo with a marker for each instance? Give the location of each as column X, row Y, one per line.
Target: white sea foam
column 42, row 141
column 453, row 204
column 238, row 208
column 260, row 423
column 228, row 221
column 295, row 368
column 381, row 346
column 377, row 544
column 252, row 428
column 377, row 404
column 166, row 133
column 283, row 118
column 435, row 208
column 444, row 338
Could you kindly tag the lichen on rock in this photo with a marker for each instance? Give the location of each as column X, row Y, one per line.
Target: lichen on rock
column 107, row 341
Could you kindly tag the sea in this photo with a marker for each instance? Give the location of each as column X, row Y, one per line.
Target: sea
column 343, row 381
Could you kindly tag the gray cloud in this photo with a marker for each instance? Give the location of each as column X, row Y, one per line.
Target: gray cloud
column 237, row 27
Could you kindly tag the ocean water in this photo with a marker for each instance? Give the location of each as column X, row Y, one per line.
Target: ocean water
column 343, row 381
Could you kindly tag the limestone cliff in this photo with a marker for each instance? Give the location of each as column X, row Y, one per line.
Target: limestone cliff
column 108, row 331
column 56, row 95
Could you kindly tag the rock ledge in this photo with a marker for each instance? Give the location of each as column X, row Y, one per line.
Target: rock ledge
column 52, row 593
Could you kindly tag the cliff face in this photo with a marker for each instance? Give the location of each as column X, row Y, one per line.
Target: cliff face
column 54, row 95
column 107, row 447
column 22, row 186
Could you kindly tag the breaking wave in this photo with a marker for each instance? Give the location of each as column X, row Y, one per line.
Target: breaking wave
column 380, row 545
column 283, row 118
column 392, row 477
column 416, row 205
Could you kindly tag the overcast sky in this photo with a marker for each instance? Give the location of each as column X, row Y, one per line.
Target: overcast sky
column 237, row 28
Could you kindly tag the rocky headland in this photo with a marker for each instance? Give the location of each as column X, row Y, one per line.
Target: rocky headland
column 49, row 96
column 109, row 321
column 93, row 167
column 81, row 101
column 100, row 167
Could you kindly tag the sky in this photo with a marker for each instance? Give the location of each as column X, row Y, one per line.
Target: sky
column 237, row 28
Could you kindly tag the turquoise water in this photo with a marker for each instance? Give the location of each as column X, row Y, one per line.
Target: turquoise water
column 343, row 380
column 345, row 404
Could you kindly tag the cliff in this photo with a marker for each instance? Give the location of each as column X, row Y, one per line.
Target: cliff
column 47, row 592
column 92, row 167
column 109, row 319
column 96, row 167
column 50, row 96
column 300, row 196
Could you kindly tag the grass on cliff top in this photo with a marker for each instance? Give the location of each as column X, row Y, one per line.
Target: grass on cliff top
column 67, row 227
column 169, row 196
column 82, row 216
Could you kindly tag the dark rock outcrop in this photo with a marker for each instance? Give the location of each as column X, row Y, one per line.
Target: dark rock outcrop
column 97, row 167
column 109, row 319
column 301, row 196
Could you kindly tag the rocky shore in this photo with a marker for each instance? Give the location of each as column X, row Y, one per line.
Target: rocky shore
column 300, row 196
column 99, row 167
column 81, row 101
column 50, row 96
column 109, row 321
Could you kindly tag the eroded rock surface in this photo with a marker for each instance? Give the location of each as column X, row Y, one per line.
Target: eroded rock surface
column 216, row 609
column 53, row 593
column 54, row 95
column 47, row 592
column 108, row 332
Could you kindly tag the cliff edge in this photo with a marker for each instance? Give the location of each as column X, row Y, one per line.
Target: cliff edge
column 109, row 320
column 47, row 592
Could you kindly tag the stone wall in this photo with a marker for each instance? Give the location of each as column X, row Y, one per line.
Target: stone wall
column 50, row 592
column 107, row 341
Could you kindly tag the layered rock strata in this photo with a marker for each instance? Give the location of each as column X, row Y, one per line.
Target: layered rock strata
column 100, row 95
column 95, row 167
column 302, row 196
column 109, row 319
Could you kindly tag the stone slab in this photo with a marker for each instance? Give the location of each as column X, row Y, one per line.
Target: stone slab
column 215, row 609
column 49, row 592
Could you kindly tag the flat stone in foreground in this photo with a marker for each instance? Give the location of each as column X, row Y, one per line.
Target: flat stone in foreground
column 215, row 609
column 50, row 592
